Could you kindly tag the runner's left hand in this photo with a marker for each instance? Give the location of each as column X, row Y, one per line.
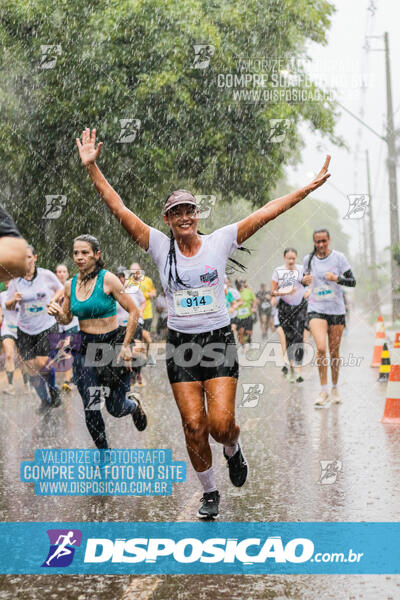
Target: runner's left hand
column 322, row 176
column 331, row 276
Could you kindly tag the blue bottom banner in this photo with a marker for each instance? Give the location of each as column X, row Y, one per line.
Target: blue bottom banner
column 199, row 548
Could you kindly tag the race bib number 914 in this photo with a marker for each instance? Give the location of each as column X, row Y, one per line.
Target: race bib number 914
column 195, row 301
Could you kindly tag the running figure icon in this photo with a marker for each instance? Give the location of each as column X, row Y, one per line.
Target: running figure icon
column 62, row 549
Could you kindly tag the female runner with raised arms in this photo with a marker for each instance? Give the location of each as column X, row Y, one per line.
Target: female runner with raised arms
column 192, row 269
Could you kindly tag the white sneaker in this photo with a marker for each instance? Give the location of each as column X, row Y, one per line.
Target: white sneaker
column 336, row 399
column 322, row 401
column 291, row 377
column 9, row 391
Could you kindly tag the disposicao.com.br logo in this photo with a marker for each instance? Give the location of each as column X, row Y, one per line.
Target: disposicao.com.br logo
column 212, row 550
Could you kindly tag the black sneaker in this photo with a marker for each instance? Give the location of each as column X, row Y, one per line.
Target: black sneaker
column 285, row 370
column 209, row 507
column 238, row 468
column 43, row 408
column 299, row 379
column 55, row 395
column 138, row 415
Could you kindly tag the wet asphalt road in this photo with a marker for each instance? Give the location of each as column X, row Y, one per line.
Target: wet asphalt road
column 284, row 439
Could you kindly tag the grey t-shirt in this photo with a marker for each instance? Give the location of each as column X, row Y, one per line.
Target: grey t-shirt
column 326, row 296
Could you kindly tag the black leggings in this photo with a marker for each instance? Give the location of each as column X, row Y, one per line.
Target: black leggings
column 292, row 320
column 108, row 382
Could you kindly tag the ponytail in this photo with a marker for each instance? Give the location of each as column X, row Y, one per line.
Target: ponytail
column 172, row 260
column 310, row 259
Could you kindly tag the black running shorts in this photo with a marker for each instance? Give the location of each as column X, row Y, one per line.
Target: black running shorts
column 246, row 323
column 201, row 356
column 331, row 319
column 147, row 324
column 31, row 346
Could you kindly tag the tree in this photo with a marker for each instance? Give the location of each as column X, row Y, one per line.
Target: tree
column 134, row 69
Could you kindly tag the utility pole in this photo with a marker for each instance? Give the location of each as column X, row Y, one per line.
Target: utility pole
column 391, row 162
column 365, row 244
column 375, row 294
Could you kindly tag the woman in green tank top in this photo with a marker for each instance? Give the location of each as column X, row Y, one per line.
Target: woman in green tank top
column 91, row 295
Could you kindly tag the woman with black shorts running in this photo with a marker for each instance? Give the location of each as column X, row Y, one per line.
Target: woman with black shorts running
column 326, row 271
column 192, row 267
column 292, row 309
column 92, row 296
column 31, row 294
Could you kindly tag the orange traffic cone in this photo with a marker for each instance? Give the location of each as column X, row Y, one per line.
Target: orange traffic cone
column 392, row 406
column 380, row 339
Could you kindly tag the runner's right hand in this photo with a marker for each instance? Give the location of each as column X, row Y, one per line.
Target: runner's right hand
column 17, row 296
column 54, row 308
column 87, row 150
column 307, row 279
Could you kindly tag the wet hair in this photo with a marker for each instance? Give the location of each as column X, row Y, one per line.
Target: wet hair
column 315, row 247
column 35, row 272
column 239, row 284
column 95, row 245
column 286, row 250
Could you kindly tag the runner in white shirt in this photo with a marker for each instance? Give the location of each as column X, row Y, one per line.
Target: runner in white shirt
column 8, row 337
column 192, row 268
column 326, row 271
column 32, row 294
column 292, row 309
column 62, row 275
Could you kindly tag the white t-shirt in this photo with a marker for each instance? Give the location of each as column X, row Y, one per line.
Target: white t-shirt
column 205, row 272
column 327, row 296
column 10, row 318
column 284, row 277
column 137, row 296
column 36, row 295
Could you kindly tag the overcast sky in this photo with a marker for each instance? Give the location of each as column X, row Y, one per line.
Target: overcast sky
column 345, row 55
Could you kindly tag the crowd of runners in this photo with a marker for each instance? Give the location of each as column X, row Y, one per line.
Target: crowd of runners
column 50, row 319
